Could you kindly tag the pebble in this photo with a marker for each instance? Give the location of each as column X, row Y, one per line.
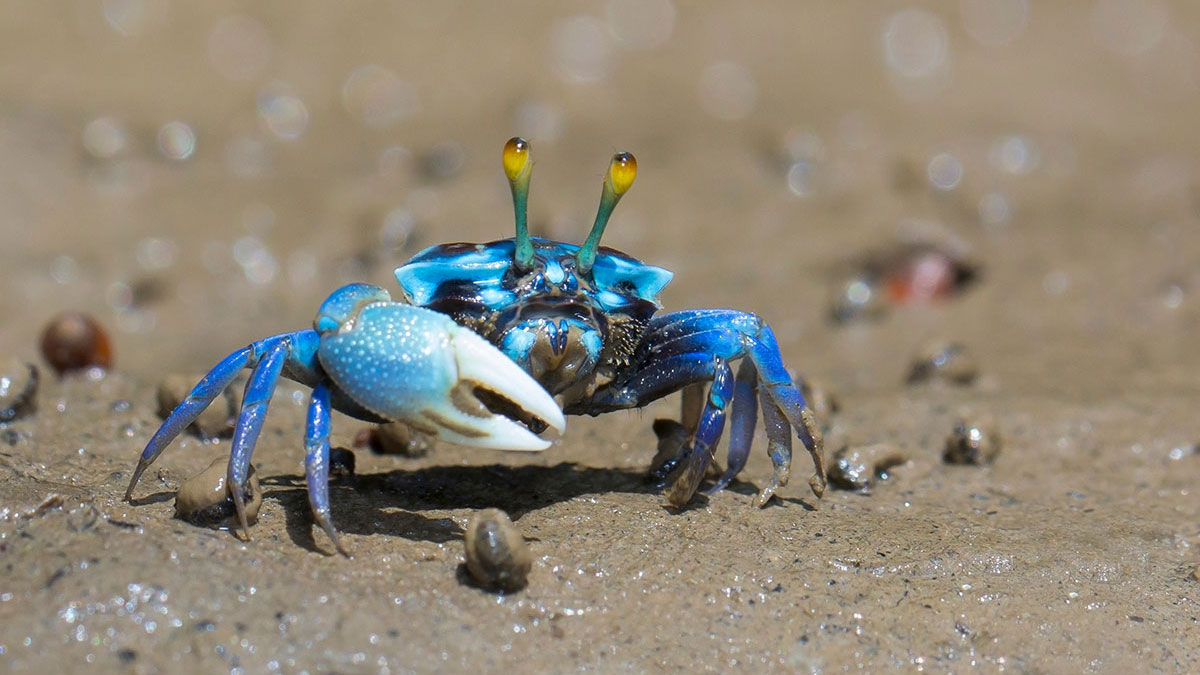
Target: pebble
column 74, row 341
column 972, row 443
column 216, row 420
column 18, row 389
column 942, row 361
column 204, row 500
column 857, row 468
column 497, row 555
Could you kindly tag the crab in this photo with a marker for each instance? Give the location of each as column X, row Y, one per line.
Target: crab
column 489, row 340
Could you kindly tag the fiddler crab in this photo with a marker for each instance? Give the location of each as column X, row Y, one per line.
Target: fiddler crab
column 485, row 335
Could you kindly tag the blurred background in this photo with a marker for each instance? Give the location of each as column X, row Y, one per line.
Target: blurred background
column 197, row 175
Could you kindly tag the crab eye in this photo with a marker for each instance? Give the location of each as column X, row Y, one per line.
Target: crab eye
column 516, row 158
column 621, row 172
column 518, row 166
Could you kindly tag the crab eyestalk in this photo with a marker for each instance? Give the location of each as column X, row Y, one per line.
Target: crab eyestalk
column 621, row 172
column 518, row 166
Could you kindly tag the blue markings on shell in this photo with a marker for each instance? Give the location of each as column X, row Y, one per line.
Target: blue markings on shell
column 628, row 275
column 517, row 344
column 616, row 277
column 481, row 264
column 555, row 273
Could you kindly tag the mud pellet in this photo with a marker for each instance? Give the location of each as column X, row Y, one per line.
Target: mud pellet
column 497, row 555
column 857, row 468
column 942, row 361
column 972, row 443
column 204, row 500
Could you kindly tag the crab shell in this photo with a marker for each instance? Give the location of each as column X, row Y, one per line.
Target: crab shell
column 567, row 329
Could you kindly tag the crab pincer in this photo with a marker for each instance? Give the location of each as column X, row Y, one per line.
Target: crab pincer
column 379, row 361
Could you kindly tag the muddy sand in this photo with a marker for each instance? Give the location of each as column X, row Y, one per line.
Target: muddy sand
column 196, row 177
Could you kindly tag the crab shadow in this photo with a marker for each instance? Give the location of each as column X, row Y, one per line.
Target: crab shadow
column 391, row 503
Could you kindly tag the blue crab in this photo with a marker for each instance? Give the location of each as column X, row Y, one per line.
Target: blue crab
column 486, row 334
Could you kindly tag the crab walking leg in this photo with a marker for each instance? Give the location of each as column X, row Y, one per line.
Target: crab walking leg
column 316, row 462
column 779, row 446
column 673, row 436
column 741, row 423
column 661, row 377
column 730, row 335
column 775, row 381
column 698, row 456
column 733, row 334
column 209, row 387
column 255, row 402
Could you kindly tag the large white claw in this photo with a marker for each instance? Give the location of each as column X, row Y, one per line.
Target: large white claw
column 416, row 366
column 481, row 364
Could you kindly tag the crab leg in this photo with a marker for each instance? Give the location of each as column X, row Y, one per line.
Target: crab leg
column 669, row 358
column 777, row 384
column 316, row 462
column 259, row 390
column 741, row 423
column 696, row 457
column 190, row 408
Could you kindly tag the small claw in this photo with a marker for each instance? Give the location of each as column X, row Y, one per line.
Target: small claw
column 413, row 365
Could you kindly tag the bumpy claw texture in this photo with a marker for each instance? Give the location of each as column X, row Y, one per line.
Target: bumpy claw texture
column 376, row 360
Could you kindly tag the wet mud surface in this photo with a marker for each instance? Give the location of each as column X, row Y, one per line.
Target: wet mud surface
column 1059, row 155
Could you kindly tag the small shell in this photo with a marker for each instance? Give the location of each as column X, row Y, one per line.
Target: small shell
column 858, row 467
column 18, row 389
column 216, row 420
column 204, row 500
column 74, row 341
column 943, row 362
column 972, row 443
column 497, row 556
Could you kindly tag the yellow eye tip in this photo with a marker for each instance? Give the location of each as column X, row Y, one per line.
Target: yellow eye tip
column 516, row 158
column 622, row 171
